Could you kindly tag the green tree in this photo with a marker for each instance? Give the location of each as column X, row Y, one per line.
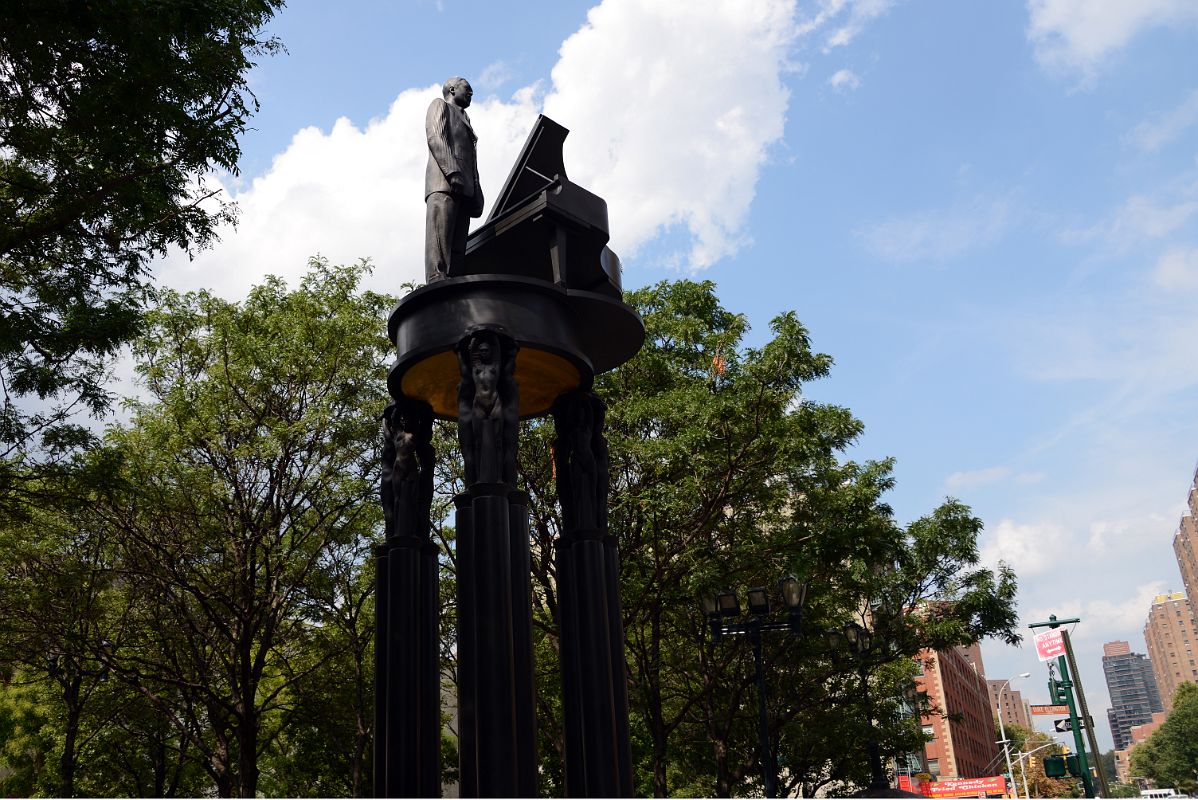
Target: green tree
column 1030, row 773
column 326, row 727
column 1169, row 757
column 56, row 613
column 246, row 503
column 28, row 737
column 111, row 114
column 1106, row 762
column 724, row 474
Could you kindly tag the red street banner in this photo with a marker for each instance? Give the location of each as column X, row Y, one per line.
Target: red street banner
column 1050, row 644
column 995, row 786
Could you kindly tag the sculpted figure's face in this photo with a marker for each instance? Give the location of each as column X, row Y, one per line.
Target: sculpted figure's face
column 462, row 95
column 485, row 369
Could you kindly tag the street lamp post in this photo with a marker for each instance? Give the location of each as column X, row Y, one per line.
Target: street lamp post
column 720, row 610
column 860, row 642
column 1002, row 728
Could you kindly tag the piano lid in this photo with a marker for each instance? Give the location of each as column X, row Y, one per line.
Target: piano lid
column 540, row 163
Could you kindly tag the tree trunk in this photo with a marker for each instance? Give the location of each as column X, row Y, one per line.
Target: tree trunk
column 66, row 773
column 723, row 780
column 659, row 767
column 247, row 754
column 219, row 765
column 159, row 764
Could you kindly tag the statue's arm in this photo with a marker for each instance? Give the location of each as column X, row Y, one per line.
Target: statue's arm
column 440, row 142
column 477, row 209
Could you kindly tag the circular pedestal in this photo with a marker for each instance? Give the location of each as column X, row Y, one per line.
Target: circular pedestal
column 566, row 337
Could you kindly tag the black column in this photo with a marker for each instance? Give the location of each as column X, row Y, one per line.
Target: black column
column 571, row 664
column 615, row 635
column 467, row 730
column 496, row 703
column 526, row 699
column 380, row 671
column 594, row 675
column 407, row 758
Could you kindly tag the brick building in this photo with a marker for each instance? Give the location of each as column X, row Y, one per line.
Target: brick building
column 1171, row 638
column 962, row 746
column 1185, row 544
column 1009, row 703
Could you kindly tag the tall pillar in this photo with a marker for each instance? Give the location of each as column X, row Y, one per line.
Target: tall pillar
column 497, row 727
column 407, row 758
column 594, row 677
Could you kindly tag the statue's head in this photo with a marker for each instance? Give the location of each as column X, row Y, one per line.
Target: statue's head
column 483, row 348
column 457, row 91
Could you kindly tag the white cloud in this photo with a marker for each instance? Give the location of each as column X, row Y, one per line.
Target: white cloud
column 844, row 79
column 1106, row 620
column 859, row 14
column 1030, row 548
column 975, row 478
column 939, row 235
column 1102, row 620
column 1138, row 355
column 1117, row 537
column 672, row 107
column 494, row 75
column 1140, row 218
column 1076, row 36
column 1177, row 269
column 1152, row 134
column 1127, row 616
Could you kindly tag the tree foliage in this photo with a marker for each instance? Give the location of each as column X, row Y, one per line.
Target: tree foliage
column 222, row 537
column 1035, row 747
column 1169, row 758
column 725, row 475
column 111, row 114
column 219, row 576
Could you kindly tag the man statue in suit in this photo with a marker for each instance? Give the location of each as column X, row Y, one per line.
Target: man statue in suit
column 452, row 194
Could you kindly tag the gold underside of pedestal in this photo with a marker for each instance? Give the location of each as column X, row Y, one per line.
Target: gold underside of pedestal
column 541, row 375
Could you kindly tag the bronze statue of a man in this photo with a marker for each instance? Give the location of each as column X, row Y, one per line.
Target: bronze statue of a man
column 452, row 194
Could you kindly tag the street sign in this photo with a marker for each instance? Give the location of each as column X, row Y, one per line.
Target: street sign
column 1050, row 644
column 994, row 786
column 1050, row 711
column 1066, row 725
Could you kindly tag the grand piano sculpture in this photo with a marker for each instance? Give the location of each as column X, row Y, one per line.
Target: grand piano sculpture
column 518, row 330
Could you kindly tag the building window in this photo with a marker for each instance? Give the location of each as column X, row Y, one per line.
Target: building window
column 928, row 730
column 934, row 766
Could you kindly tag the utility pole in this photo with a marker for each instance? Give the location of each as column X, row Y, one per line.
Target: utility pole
column 1081, row 698
column 1062, row 691
column 1065, row 685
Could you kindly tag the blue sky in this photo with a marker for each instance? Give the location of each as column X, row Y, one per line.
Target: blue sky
column 986, row 213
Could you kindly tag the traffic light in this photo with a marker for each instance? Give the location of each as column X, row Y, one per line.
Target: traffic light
column 1075, row 767
column 1058, row 691
column 1054, row 766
